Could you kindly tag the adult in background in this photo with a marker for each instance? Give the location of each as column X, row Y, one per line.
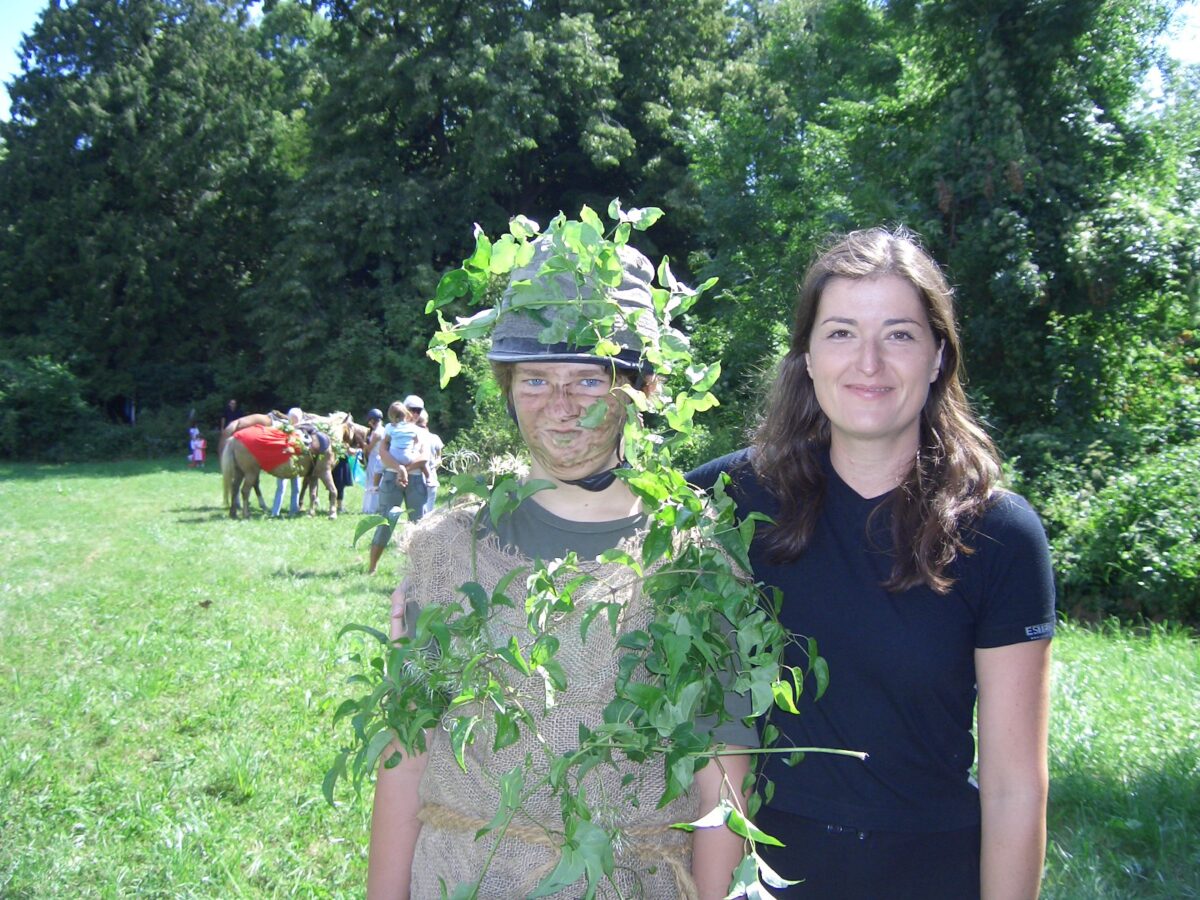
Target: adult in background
column 230, row 413
column 433, row 446
column 400, row 487
column 427, row 809
column 920, row 579
column 295, row 417
column 374, row 470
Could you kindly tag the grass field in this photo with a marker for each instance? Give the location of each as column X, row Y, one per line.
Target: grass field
column 167, row 680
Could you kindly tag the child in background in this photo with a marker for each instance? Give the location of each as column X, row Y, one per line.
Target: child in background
column 401, row 433
column 199, row 448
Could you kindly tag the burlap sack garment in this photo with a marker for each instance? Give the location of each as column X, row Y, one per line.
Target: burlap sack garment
column 652, row 860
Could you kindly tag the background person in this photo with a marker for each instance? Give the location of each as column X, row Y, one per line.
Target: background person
column 427, row 809
column 398, row 455
column 433, row 446
column 230, row 413
column 374, row 465
column 295, row 416
column 918, row 577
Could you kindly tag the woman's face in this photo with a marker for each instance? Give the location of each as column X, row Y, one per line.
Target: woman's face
column 550, row 399
column 872, row 356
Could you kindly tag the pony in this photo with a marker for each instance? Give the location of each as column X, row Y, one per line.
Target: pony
column 261, row 442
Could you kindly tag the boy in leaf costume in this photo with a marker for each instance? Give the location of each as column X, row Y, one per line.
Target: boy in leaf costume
column 561, row 689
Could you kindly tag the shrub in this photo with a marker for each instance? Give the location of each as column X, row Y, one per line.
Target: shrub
column 1131, row 547
column 37, row 396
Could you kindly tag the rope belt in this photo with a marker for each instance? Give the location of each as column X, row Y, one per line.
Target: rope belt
column 648, row 843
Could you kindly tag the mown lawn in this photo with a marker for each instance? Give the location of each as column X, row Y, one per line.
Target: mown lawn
column 167, row 680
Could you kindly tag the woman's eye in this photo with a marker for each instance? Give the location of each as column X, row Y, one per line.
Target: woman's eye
column 902, row 336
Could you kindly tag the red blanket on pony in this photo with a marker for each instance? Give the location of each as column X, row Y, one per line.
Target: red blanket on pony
column 271, row 447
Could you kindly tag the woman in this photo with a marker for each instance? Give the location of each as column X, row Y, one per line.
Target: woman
column 918, row 577
column 427, row 809
column 374, row 464
column 400, row 455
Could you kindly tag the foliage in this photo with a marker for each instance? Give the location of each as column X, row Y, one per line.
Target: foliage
column 1129, row 545
column 135, row 191
column 450, row 672
column 36, row 398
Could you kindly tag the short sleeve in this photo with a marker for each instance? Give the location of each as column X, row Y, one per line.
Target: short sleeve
column 1012, row 562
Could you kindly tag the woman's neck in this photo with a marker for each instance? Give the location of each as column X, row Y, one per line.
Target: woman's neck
column 871, row 470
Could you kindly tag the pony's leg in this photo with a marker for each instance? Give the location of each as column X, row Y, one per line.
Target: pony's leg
column 235, row 488
column 246, row 489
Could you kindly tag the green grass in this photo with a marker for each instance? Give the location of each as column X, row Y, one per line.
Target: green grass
column 1125, row 765
column 168, row 677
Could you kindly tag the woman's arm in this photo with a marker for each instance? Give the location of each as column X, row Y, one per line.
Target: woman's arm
column 1014, row 704
column 716, row 852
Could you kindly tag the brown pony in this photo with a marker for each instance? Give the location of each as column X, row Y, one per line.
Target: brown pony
column 312, row 458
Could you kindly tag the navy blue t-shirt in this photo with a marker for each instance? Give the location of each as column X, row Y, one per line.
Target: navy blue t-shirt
column 902, row 668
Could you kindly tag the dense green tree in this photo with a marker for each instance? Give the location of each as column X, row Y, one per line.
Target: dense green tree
column 440, row 115
column 140, row 167
column 1014, row 137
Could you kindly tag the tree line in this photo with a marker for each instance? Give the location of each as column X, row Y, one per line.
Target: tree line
column 198, row 203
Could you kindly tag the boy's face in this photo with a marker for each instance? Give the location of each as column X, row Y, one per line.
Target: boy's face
column 549, row 400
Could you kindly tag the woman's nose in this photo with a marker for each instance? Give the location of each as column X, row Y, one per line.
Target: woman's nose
column 868, row 357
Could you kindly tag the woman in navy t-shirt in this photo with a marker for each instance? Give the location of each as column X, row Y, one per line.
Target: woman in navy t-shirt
column 925, row 585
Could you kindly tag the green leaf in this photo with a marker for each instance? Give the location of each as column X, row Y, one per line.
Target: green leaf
column 595, row 415
column 745, row 876
column 714, row 818
column 770, row 877
column 523, row 228
column 365, row 629
column 451, row 286
column 512, row 783
column 513, row 656
column 641, row 219
column 365, row 524
column 481, row 259
column 784, row 697
column 336, row 771
column 378, row 743
column 743, row 827
column 477, row 597
column 504, row 255
column 460, row 736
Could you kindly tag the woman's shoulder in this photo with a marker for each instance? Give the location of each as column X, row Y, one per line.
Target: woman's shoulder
column 736, row 465
column 1009, row 521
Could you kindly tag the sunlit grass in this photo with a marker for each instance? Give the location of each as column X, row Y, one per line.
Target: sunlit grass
column 167, row 680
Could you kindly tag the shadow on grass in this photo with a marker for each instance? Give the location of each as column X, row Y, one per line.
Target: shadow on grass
column 334, row 574
column 1128, row 836
column 128, row 468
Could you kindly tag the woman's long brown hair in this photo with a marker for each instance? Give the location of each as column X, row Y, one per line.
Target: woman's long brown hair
column 957, row 467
